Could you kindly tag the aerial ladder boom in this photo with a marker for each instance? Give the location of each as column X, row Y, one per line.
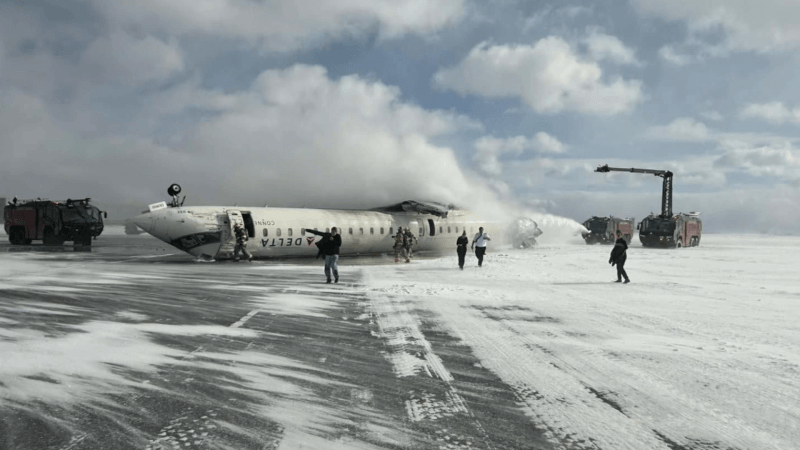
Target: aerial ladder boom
column 666, row 194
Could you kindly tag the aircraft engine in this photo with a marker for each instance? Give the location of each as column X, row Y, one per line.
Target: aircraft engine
column 523, row 232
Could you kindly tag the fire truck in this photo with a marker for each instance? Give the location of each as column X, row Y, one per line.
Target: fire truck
column 666, row 229
column 603, row 230
column 52, row 222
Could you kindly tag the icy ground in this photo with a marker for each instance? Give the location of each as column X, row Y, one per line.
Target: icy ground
column 701, row 350
column 134, row 345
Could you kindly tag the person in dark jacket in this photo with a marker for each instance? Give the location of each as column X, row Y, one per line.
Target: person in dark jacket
column 241, row 243
column 618, row 257
column 461, row 248
column 329, row 247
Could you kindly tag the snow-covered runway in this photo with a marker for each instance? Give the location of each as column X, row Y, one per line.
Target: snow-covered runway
column 135, row 346
column 700, row 351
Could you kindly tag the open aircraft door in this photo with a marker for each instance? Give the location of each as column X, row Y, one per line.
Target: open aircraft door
column 228, row 237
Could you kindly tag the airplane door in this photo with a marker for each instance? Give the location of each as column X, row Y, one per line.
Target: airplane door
column 228, row 237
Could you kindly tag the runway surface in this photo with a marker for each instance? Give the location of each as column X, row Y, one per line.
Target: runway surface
column 134, row 345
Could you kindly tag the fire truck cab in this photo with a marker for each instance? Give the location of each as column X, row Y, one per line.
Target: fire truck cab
column 604, row 230
column 680, row 230
column 52, row 222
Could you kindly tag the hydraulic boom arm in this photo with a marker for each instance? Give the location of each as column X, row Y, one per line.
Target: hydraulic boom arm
column 666, row 194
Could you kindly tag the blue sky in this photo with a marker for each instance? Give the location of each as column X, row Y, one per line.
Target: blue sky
column 364, row 102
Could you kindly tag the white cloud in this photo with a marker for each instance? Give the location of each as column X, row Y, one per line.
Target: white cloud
column 489, row 149
column 549, row 76
column 774, row 160
column 774, row 112
column 123, row 58
column 294, row 137
column 283, row 26
column 762, row 26
column 712, row 115
column 602, row 46
column 669, row 54
column 683, row 129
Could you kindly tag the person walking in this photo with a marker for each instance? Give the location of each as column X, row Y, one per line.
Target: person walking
column 479, row 244
column 410, row 241
column 329, row 246
column 618, row 257
column 461, row 248
column 400, row 245
column 241, row 243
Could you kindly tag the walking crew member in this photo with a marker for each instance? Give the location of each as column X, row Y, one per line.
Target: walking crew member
column 479, row 244
column 329, row 246
column 618, row 257
column 241, row 243
column 400, row 245
column 410, row 241
column 461, row 248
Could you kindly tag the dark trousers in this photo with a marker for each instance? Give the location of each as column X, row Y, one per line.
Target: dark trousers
column 479, row 252
column 621, row 271
column 462, row 253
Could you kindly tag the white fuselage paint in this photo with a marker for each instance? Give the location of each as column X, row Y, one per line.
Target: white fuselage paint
column 280, row 231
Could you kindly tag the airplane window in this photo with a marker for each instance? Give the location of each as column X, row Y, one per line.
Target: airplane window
column 456, row 229
column 351, row 230
column 361, row 231
column 381, row 230
column 441, row 230
column 278, row 232
column 372, row 231
column 302, row 231
column 420, row 231
column 448, row 230
column 391, row 230
column 290, row 231
column 266, row 233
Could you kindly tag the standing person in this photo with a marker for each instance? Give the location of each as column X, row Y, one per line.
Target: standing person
column 479, row 244
column 400, row 245
column 461, row 248
column 618, row 257
column 241, row 243
column 329, row 246
column 410, row 241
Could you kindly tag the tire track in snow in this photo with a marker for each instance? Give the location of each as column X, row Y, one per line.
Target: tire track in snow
column 411, row 354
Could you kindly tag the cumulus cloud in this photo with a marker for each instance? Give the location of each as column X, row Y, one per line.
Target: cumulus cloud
column 683, row 129
column 123, row 58
column 278, row 25
column 768, row 25
column 601, row 46
column 775, row 160
column 670, row 54
column 489, row 149
column 549, row 76
column 774, row 112
column 294, row 137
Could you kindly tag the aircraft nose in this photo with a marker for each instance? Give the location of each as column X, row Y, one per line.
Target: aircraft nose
column 156, row 223
column 144, row 221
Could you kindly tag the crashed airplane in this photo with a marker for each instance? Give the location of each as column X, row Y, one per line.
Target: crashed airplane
column 207, row 231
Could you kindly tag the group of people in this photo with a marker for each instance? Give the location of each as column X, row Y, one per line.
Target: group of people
column 404, row 242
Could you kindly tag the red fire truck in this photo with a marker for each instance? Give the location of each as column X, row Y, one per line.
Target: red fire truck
column 52, row 222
